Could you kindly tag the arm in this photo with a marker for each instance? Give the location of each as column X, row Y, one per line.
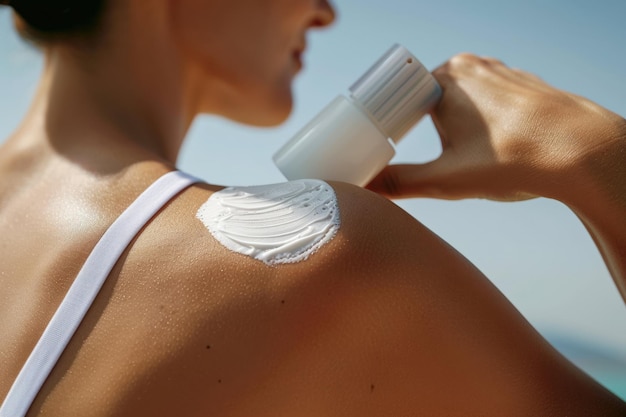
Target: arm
column 601, row 203
column 507, row 135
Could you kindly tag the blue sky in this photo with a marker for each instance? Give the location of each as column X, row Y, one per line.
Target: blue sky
column 536, row 252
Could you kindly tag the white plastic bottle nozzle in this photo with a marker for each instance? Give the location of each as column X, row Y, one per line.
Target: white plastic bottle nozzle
column 351, row 139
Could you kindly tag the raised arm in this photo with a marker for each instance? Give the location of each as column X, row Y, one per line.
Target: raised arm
column 507, row 135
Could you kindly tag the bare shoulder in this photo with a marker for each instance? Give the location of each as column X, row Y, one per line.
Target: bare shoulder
column 383, row 318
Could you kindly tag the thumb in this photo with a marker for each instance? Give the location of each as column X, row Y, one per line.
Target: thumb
column 410, row 180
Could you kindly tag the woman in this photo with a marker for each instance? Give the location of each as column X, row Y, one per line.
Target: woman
column 378, row 318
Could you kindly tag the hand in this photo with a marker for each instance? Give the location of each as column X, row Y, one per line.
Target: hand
column 506, row 135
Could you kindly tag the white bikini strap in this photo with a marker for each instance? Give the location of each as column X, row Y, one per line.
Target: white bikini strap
column 85, row 288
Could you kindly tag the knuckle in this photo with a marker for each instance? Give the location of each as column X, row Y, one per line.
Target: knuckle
column 456, row 65
column 464, row 63
column 462, row 60
column 492, row 61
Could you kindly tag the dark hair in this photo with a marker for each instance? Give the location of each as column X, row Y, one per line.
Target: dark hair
column 45, row 20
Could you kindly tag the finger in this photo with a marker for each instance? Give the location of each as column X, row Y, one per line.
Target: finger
column 494, row 62
column 448, row 73
column 513, row 73
column 443, row 138
column 406, row 181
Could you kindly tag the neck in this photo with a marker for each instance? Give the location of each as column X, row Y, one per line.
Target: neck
column 114, row 105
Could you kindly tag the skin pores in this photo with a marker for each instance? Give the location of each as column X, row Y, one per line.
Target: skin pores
column 276, row 224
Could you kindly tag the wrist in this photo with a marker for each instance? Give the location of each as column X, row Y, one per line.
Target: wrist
column 596, row 182
column 601, row 205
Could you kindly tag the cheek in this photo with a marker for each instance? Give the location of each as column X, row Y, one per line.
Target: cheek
column 223, row 43
column 203, row 39
column 246, row 52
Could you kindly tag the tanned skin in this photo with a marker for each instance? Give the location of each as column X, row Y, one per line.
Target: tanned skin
column 385, row 320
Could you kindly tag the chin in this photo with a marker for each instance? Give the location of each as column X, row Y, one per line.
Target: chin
column 272, row 120
column 259, row 103
column 266, row 113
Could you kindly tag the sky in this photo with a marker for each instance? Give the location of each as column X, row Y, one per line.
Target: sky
column 536, row 252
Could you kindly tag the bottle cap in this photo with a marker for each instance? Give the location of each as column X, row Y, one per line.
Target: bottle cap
column 396, row 92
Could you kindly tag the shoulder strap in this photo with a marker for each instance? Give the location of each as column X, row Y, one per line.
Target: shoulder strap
column 85, row 288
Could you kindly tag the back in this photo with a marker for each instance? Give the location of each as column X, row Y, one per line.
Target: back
column 51, row 216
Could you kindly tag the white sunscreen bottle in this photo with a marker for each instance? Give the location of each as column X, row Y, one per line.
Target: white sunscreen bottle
column 351, row 139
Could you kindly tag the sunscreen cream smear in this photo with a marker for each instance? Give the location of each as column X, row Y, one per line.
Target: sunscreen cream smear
column 276, row 224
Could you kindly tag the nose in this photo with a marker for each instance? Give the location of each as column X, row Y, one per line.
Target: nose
column 324, row 14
